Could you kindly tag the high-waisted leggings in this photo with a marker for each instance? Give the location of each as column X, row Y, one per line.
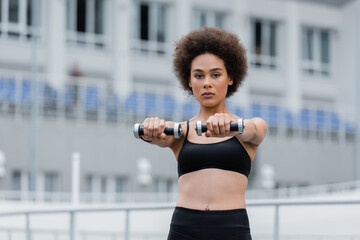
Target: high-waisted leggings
column 187, row 224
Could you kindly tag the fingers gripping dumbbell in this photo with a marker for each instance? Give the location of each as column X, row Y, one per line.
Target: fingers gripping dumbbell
column 234, row 126
column 176, row 130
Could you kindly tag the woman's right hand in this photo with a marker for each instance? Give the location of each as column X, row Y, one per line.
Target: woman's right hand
column 154, row 132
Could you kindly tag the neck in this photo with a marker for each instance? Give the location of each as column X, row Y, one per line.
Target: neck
column 206, row 112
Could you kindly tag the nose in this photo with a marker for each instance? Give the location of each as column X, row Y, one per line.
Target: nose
column 207, row 82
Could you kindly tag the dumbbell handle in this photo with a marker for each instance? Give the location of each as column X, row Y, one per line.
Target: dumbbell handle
column 176, row 130
column 234, row 126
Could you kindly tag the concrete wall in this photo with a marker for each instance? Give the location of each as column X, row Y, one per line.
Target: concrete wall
column 105, row 151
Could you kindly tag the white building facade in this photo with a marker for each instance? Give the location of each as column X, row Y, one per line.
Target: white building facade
column 102, row 65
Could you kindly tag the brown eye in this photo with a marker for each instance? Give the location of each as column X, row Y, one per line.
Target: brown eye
column 216, row 75
column 198, row 76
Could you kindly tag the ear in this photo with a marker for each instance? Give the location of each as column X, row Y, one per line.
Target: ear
column 230, row 82
column 190, row 83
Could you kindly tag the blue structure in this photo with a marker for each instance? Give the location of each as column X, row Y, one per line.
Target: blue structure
column 92, row 99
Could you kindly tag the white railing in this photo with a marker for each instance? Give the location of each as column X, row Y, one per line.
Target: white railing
column 265, row 61
column 72, row 212
column 151, row 48
column 351, row 187
column 335, row 189
column 314, row 67
column 17, row 31
column 87, row 39
column 88, row 197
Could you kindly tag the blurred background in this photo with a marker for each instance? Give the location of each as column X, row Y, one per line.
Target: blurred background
column 76, row 75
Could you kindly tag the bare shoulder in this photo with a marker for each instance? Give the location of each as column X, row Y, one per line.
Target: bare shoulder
column 261, row 126
column 255, row 131
column 260, row 123
column 260, row 129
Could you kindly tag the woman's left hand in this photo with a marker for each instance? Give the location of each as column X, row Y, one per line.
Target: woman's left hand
column 218, row 125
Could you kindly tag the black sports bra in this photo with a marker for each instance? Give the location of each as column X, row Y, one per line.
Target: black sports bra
column 228, row 155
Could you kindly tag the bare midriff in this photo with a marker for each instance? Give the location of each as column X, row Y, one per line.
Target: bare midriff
column 212, row 189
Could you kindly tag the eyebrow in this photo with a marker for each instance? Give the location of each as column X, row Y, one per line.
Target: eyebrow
column 211, row 70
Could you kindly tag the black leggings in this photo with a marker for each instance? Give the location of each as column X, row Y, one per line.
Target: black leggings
column 187, row 224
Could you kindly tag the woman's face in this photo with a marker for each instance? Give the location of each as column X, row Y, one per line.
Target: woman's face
column 209, row 79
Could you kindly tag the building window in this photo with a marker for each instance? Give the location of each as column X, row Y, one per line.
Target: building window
column 316, row 51
column 1, row 7
column 86, row 23
column 264, row 39
column 14, row 11
column 16, row 19
column 151, row 28
column 103, row 185
column 16, row 180
column 204, row 18
column 165, row 185
column 51, row 185
column 31, row 184
column 89, row 183
column 51, row 180
column 121, row 184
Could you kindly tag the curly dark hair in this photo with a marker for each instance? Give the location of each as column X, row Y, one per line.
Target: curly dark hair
column 224, row 44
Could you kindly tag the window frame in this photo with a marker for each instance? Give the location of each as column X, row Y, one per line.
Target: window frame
column 151, row 46
column 165, row 185
column 122, row 184
column 20, row 29
column 265, row 59
column 314, row 65
column 89, row 38
column 210, row 18
column 51, row 180
column 16, row 180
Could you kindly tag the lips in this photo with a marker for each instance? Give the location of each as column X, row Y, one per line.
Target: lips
column 207, row 94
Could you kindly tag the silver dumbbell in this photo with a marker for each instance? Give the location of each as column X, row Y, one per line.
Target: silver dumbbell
column 234, row 126
column 176, row 130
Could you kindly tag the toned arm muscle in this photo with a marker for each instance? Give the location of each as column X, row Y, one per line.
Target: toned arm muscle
column 255, row 131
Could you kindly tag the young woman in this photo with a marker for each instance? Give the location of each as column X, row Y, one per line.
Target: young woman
column 213, row 168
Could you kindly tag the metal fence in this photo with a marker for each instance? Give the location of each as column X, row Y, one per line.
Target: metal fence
column 72, row 234
column 156, row 197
